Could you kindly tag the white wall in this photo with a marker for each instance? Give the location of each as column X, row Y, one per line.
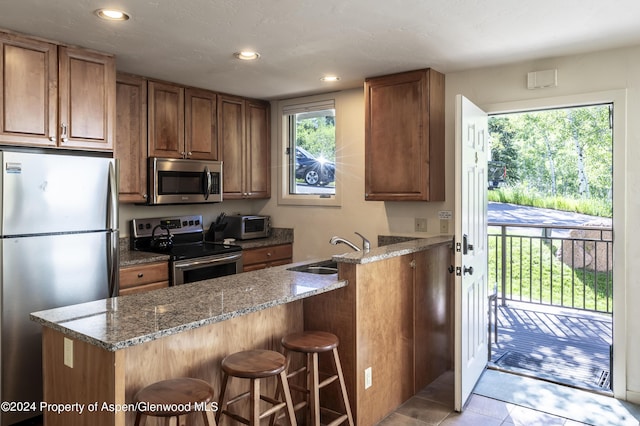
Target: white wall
column 601, row 71
column 314, row 226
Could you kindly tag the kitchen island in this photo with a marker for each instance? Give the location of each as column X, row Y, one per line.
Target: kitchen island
column 99, row 354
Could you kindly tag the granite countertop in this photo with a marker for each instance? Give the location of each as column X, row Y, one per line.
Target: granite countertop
column 131, row 257
column 405, row 246
column 121, row 322
column 278, row 236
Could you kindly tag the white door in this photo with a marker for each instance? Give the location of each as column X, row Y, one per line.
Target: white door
column 470, row 248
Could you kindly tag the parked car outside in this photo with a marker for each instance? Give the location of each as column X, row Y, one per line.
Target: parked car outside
column 314, row 171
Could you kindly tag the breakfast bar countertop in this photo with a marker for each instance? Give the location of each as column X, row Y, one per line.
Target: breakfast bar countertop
column 398, row 246
column 120, row 322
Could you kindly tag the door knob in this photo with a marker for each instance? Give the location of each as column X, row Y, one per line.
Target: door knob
column 468, row 270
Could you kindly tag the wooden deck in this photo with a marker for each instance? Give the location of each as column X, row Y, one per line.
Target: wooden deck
column 562, row 345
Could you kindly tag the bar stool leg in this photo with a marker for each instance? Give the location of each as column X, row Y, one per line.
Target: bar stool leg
column 139, row 418
column 314, row 391
column 222, row 404
column 255, row 401
column 343, row 387
column 287, row 397
column 205, row 418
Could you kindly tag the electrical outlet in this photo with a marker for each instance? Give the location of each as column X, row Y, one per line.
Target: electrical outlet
column 368, row 380
column 420, row 224
column 444, row 226
column 68, row 352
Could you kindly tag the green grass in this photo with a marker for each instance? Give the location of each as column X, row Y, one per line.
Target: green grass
column 535, row 274
column 593, row 207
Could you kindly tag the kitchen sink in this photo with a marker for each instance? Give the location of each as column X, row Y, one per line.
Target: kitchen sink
column 324, row 267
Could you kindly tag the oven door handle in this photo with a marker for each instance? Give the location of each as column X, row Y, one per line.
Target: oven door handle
column 183, row 264
column 207, row 179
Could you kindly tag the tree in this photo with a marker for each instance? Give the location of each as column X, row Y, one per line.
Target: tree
column 317, row 135
column 557, row 152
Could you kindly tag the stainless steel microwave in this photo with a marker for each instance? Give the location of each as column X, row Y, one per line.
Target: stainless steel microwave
column 174, row 181
column 245, row 227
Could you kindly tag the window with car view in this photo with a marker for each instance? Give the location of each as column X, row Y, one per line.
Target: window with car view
column 309, row 135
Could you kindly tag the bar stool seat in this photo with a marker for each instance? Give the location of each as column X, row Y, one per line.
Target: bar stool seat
column 313, row 343
column 174, row 398
column 256, row 365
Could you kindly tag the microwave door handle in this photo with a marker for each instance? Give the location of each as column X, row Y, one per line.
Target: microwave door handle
column 207, row 175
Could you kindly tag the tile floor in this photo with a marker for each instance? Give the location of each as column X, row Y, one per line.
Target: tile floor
column 433, row 406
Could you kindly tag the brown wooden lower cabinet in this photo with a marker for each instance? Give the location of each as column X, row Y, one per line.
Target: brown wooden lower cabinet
column 111, row 379
column 139, row 278
column 394, row 317
column 265, row 257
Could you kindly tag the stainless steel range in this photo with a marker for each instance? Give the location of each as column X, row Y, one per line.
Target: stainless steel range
column 191, row 258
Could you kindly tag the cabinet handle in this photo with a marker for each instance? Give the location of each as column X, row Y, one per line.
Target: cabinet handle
column 269, row 254
column 189, row 154
column 52, row 138
column 63, row 133
column 140, row 275
column 412, row 264
column 184, row 154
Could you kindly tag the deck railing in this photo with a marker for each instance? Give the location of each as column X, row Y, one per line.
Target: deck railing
column 568, row 266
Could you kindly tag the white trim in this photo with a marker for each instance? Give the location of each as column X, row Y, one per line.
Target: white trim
column 310, row 103
column 633, row 397
column 620, row 212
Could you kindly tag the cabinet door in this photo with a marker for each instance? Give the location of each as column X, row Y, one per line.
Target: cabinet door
column 231, row 128
column 404, row 137
column 87, row 96
column 258, row 155
column 433, row 315
column 200, row 116
column 131, row 137
column 166, row 120
column 28, row 91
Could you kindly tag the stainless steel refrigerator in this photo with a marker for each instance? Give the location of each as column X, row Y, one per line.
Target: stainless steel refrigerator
column 58, row 247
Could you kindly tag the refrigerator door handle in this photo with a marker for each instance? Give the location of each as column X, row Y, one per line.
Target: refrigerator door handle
column 113, row 263
column 112, row 197
column 113, row 249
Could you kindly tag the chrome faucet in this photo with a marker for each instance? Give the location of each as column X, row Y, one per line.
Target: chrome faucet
column 366, row 245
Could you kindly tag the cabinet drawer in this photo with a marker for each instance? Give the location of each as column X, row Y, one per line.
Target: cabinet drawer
column 133, row 276
column 267, row 254
column 142, row 288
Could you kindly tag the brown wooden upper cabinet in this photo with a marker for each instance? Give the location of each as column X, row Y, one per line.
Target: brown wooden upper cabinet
column 244, row 135
column 404, row 137
column 55, row 96
column 182, row 122
column 131, row 137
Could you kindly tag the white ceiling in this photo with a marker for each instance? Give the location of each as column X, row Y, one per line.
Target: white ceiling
column 192, row 41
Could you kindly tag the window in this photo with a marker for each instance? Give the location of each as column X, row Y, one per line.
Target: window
column 309, row 171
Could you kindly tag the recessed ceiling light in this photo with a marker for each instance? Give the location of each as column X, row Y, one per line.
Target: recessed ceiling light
column 112, row 14
column 247, row 55
column 330, row 78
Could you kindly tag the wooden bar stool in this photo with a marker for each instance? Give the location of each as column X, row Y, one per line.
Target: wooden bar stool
column 174, row 398
column 312, row 343
column 256, row 365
